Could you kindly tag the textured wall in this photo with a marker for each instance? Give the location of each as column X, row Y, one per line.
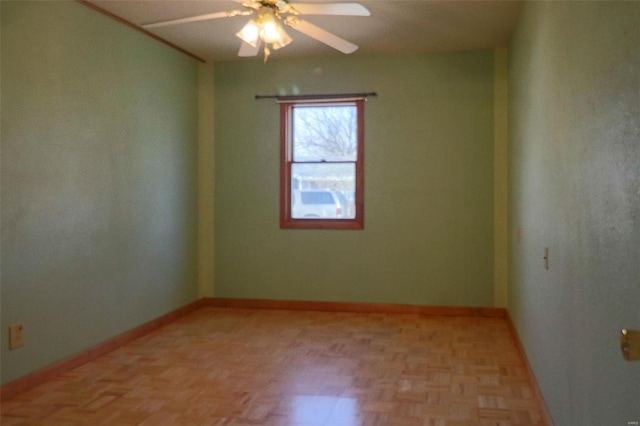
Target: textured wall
column 428, row 183
column 99, row 140
column 575, row 188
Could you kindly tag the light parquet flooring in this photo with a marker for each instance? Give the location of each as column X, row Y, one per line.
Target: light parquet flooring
column 221, row 366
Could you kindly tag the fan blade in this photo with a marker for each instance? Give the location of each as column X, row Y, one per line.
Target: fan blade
column 247, row 50
column 323, row 36
column 189, row 19
column 347, row 9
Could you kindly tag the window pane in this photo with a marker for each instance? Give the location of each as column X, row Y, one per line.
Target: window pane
column 325, row 133
column 323, row 191
column 322, row 169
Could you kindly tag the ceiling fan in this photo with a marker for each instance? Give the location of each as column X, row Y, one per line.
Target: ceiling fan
column 266, row 26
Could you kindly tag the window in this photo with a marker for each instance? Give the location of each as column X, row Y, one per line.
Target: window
column 322, row 175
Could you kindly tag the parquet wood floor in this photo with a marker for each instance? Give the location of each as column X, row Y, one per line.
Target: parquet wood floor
column 221, row 366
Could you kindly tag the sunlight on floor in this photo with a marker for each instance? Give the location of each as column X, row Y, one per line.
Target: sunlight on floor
column 316, row 409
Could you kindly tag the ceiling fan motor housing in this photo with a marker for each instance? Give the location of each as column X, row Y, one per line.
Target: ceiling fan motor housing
column 277, row 6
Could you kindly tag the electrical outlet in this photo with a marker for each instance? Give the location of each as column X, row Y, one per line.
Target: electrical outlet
column 16, row 336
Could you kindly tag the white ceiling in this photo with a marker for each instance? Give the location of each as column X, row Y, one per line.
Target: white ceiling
column 395, row 26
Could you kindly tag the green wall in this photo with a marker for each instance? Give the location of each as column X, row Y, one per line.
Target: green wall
column 575, row 174
column 428, row 183
column 99, row 145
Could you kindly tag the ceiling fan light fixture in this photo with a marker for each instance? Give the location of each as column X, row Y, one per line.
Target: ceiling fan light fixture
column 250, row 33
column 283, row 38
column 271, row 32
column 267, row 29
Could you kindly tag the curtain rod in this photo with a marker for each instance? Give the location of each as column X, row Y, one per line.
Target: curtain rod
column 318, row 97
